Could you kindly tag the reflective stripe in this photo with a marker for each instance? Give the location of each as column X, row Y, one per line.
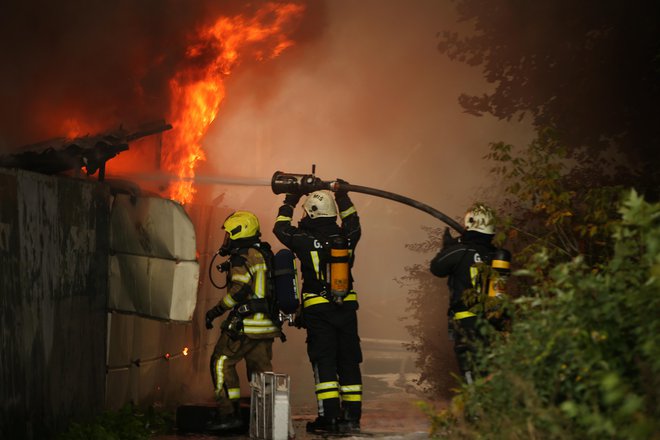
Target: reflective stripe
column 314, row 300
column 316, row 263
column 228, row 301
column 243, row 278
column 326, row 385
column 351, row 393
column 256, row 273
column 283, row 218
column 259, row 330
column 311, row 299
column 234, row 393
column 328, row 395
column 347, row 212
column 257, row 267
column 351, row 297
column 350, row 388
column 219, row 376
column 463, row 315
column 258, row 322
column 260, row 284
column 327, row 390
column 474, row 275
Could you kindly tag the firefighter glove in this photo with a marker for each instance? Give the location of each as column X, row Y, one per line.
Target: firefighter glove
column 211, row 315
column 341, row 192
column 292, row 199
column 447, row 239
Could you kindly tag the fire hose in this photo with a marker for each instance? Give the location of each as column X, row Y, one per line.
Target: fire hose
column 287, row 183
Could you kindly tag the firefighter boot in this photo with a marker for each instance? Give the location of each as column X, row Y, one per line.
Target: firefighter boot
column 323, row 424
column 349, row 423
column 228, row 422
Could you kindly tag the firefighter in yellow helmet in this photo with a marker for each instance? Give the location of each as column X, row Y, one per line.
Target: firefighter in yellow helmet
column 329, row 314
column 459, row 260
column 248, row 331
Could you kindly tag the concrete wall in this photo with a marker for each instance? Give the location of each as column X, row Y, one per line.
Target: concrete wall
column 53, row 296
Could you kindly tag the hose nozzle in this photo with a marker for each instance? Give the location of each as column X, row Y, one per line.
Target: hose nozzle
column 288, row 183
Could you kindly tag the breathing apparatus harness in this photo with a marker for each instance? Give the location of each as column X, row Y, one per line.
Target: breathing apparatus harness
column 334, row 274
column 488, row 278
column 268, row 305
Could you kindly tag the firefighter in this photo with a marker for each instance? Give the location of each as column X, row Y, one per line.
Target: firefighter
column 330, row 318
column 460, row 260
column 248, row 332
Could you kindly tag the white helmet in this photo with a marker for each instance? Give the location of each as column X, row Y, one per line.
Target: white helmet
column 320, row 204
column 480, row 218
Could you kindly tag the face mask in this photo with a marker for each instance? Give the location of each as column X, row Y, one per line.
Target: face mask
column 225, row 249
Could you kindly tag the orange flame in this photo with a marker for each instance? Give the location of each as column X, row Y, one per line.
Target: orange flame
column 197, row 93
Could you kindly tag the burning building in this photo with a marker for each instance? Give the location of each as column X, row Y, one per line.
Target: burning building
column 100, row 273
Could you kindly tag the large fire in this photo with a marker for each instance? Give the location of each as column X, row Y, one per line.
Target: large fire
column 198, row 92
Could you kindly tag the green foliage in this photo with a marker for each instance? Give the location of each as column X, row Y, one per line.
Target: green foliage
column 583, row 357
column 565, row 205
column 554, row 208
column 128, row 423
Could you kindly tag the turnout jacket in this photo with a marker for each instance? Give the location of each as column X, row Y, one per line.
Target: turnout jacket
column 310, row 242
column 455, row 260
column 248, row 281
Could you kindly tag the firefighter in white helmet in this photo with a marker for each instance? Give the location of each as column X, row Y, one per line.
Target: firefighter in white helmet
column 248, row 331
column 329, row 314
column 459, row 260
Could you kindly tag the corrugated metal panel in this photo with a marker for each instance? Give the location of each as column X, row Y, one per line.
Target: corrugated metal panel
column 151, row 227
column 53, row 262
column 153, row 287
column 153, row 270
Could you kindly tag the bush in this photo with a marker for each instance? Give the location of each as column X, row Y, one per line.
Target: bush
column 583, row 357
column 129, row 423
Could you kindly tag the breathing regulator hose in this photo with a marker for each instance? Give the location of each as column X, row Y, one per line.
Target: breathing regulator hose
column 223, row 267
column 287, row 183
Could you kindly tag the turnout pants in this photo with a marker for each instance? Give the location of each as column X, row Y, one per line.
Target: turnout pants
column 258, row 355
column 333, row 347
column 464, row 334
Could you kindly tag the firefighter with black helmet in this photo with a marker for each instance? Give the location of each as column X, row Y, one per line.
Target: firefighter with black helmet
column 248, row 331
column 326, row 252
column 460, row 260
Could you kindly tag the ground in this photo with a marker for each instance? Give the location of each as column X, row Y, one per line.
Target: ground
column 389, row 412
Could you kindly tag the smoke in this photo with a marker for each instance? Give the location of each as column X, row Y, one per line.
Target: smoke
column 90, row 65
column 364, row 94
column 373, row 102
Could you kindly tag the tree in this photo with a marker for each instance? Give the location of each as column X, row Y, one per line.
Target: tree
column 589, row 69
column 549, row 205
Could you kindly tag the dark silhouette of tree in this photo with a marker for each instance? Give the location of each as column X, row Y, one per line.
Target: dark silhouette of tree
column 588, row 69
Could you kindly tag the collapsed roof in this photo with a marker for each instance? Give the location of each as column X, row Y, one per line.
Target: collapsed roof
column 91, row 151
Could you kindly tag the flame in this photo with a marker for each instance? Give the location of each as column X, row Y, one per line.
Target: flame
column 74, row 127
column 198, row 92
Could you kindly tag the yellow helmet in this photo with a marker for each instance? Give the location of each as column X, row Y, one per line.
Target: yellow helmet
column 480, row 218
column 241, row 224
